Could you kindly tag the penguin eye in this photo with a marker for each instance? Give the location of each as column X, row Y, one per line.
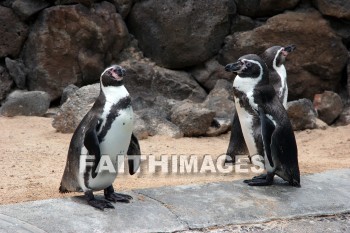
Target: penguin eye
column 248, row 64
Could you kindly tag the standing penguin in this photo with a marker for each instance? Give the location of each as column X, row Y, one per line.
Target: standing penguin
column 274, row 58
column 104, row 134
column 264, row 121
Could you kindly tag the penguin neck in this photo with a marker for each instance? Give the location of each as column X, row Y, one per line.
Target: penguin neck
column 246, row 84
column 114, row 93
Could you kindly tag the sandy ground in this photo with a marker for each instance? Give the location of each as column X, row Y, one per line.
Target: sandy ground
column 33, row 156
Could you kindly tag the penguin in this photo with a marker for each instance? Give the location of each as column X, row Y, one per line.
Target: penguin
column 103, row 137
column 274, row 58
column 264, row 121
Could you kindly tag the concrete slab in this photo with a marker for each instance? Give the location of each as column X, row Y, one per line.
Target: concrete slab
column 74, row 215
column 169, row 209
column 218, row 204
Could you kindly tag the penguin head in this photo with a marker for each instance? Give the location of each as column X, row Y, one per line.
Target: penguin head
column 275, row 56
column 112, row 76
column 249, row 66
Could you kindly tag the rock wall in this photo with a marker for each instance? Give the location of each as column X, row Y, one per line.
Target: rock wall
column 175, row 49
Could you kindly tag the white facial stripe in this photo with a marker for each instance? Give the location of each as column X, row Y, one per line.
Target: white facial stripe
column 274, row 64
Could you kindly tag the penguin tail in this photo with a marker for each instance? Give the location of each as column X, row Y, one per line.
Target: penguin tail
column 295, row 177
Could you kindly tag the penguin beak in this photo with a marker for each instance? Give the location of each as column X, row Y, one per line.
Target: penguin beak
column 288, row 49
column 120, row 71
column 233, row 67
column 117, row 72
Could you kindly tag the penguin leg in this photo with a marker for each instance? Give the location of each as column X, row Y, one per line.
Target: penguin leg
column 262, row 182
column 110, row 195
column 99, row 204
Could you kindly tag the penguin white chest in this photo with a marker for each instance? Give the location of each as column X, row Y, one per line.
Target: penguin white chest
column 283, row 91
column 246, row 85
column 247, row 126
column 114, row 133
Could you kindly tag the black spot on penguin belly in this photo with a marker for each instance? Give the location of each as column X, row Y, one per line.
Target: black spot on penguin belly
column 113, row 114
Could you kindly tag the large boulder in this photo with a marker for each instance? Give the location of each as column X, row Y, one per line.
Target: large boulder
column 147, row 81
column 328, row 105
column 123, row 6
column 220, row 100
column 341, row 27
column 32, row 103
column 335, row 8
column 13, row 33
column 75, row 108
column 178, row 34
column 302, row 114
column 72, row 45
column 17, row 71
column 26, row 8
column 318, row 61
column 192, row 119
column 208, row 73
column 156, row 124
column 344, row 118
column 262, row 8
column 5, row 83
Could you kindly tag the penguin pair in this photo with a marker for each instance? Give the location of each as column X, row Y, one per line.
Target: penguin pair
column 274, row 57
column 264, row 121
column 101, row 141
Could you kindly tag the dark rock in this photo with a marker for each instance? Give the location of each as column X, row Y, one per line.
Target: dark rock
column 317, row 63
column 5, row 83
column 348, row 74
column 320, row 124
column 220, row 100
column 140, row 127
column 157, row 125
column 261, row 8
column 7, row 3
column 344, row 118
column 33, row 103
column 17, row 71
column 242, row 23
column 87, row 3
column 218, row 127
column 302, row 114
column 328, row 105
column 68, row 92
column 335, row 8
column 209, row 73
column 341, row 27
column 178, row 34
column 26, row 8
column 177, row 85
column 192, row 119
column 13, row 33
column 75, row 108
column 146, row 81
column 85, row 40
column 123, row 6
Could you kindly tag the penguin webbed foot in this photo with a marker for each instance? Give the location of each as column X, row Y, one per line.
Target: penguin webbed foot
column 99, row 204
column 259, row 177
column 261, row 180
column 118, row 197
column 110, row 195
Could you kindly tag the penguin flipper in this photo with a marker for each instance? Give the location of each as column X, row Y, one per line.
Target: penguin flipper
column 267, row 130
column 286, row 149
column 92, row 144
column 134, row 155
